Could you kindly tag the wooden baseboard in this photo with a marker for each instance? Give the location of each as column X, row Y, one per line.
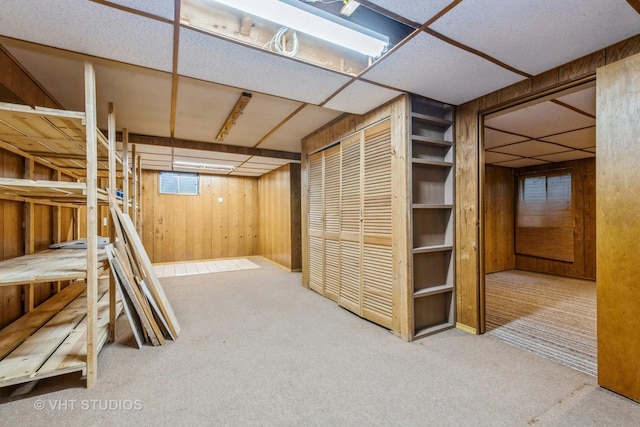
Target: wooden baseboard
column 466, row 328
column 297, row 270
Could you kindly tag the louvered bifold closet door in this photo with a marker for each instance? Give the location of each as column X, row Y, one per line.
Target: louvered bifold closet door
column 349, row 295
column 332, row 222
column 377, row 303
column 316, row 223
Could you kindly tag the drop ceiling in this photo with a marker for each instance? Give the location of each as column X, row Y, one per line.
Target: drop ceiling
column 169, row 80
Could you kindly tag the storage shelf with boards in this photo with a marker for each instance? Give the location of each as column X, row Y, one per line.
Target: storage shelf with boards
column 432, row 216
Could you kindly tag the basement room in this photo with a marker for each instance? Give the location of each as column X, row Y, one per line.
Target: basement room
column 319, row 212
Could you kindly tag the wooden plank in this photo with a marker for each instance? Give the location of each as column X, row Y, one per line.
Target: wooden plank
column 14, row 334
column 618, row 229
column 499, row 226
column 152, row 280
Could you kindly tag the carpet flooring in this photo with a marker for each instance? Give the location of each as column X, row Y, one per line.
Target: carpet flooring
column 552, row 316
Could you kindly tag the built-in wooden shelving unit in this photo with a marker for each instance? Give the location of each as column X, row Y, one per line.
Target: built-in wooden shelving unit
column 432, row 216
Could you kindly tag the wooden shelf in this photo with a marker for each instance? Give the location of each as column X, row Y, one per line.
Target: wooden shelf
column 421, row 333
column 432, row 141
column 52, row 340
column 55, row 191
column 433, row 291
column 431, row 206
column 437, row 121
column 428, row 249
column 50, row 265
column 432, row 163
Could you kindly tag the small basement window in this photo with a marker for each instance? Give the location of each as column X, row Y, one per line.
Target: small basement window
column 179, row 183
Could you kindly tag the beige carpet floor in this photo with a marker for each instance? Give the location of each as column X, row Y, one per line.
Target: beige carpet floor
column 257, row 349
column 552, row 316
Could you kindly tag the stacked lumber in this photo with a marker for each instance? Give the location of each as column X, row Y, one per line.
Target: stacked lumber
column 150, row 315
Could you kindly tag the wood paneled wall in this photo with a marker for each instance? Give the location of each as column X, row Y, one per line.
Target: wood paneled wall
column 468, row 157
column 584, row 210
column 50, row 225
column 618, row 186
column 181, row 227
column 279, row 201
column 499, row 224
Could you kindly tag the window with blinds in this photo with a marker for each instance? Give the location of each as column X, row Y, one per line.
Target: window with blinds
column 544, row 215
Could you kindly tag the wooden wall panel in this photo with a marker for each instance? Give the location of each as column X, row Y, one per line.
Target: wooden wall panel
column 498, row 199
column 279, row 201
column 468, row 269
column 618, row 228
column 584, row 196
column 180, row 227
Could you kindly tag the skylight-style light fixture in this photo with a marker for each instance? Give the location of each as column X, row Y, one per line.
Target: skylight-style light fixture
column 299, row 16
column 203, row 166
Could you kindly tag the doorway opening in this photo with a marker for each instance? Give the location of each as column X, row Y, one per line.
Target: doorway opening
column 538, row 226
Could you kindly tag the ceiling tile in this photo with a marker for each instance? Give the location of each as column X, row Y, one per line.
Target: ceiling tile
column 566, row 156
column 289, row 136
column 521, row 163
column 535, row 36
column 90, row 28
column 203, row 108
column 271, row 161
column 430, row 67
column 259, row 166
column 210, row 58
column 582, row 138
column 494, row 138
column 408, row 9
column 491, row 157
column 184, row 152
column 142, row 97
column 152, row 149
column 584, row 100
column 540, row 120
column 253, row 174
column 530, row 149
column 162, row 8
column 360, row 98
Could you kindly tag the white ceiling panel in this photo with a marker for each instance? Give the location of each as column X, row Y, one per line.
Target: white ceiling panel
column 585, row 100
column 152, row 149
column 491, row 157
column 271, row 161
column 142, row 97
column 540, row 120
column 582, row 138
column 150, row 157
column 522, row 163
column 408, row 9
column 289, row 136
column 213, row 59
column 494, row 138
column 203, row 107
column 535, row 36
column 253, row 174
column 569, row 155
column 430, row 67
column 531, row 148
column 184, row 152
column 360, row 98
column 162, row 8
column 90, row 28
column 258, row 166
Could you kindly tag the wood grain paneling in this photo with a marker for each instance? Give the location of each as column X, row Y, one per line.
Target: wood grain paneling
column 618, row 229
column 498, row 202
column 180, row 227
column 279, row 234
column 583, row 245
column 468, row 283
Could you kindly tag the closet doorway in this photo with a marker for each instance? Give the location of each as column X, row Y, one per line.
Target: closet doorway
column 538, row 226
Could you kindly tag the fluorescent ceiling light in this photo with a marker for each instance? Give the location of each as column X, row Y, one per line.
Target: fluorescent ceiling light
column 316, row 23
column 203, row 166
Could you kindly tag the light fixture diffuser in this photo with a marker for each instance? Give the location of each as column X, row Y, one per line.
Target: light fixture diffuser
column 203, row 166
column 301, row 17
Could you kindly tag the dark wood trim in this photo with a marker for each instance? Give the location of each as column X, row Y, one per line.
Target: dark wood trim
column 475, row 52
column 572, row 108
column 207, row 146
column 133, row 11
column 634, row 4
column 279, row 125
column 17, row 80
column 175, row 78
